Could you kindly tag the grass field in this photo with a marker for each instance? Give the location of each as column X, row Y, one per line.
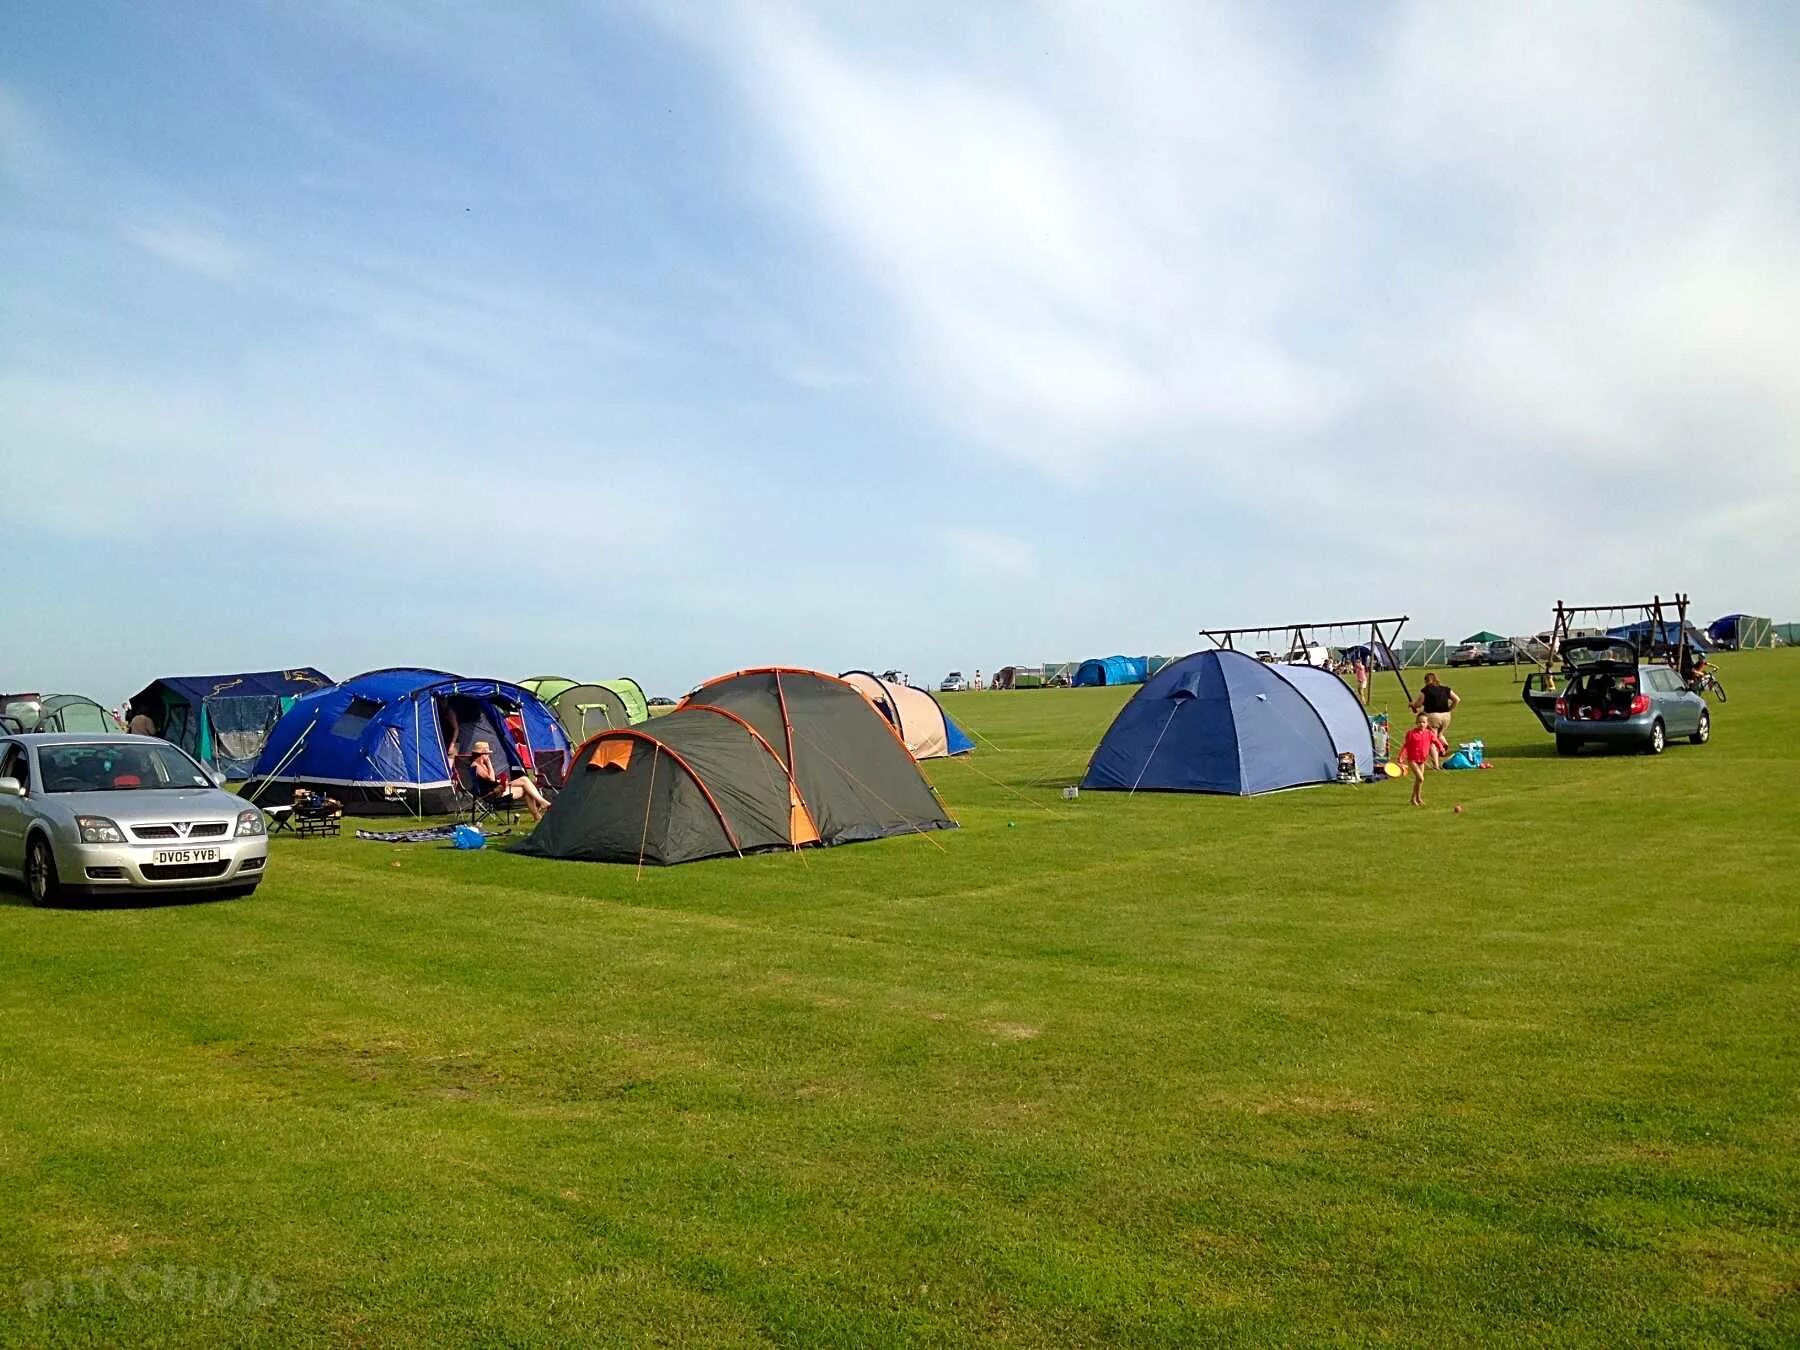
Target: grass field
column 1309, row 1067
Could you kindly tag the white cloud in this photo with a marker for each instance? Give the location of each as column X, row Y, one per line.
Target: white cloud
column 206, row 253
column 1504, row 241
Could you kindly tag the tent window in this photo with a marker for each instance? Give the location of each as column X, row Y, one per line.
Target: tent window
column 353, row 719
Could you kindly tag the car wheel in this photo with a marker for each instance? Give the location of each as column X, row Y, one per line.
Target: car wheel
column 1659, row 738
column 1703, row 732
column 40, row 872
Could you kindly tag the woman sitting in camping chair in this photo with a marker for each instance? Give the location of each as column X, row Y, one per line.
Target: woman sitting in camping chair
column 490, row 785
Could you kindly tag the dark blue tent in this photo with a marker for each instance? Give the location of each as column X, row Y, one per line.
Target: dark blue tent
column 1112, row 670
column 1221, row 721
column 1375, row 655
column 1649, row 636
column 223, row 720
column 382, row 741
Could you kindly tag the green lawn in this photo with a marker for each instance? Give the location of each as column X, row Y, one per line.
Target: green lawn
column 1307, row 1067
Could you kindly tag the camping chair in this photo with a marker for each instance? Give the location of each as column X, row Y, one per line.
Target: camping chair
column 498, row 802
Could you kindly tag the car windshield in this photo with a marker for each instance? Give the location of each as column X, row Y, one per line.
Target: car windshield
column 117, row 768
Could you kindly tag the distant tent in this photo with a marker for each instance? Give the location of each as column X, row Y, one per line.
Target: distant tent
column 1786, row 634
column 382, row 742
column 1484, row 637
column 1741, row 632
column 1649, row 636
column 74, row 712
column 583, row 709
column 1377, row 655
column 921, row 721
column 1111, row 670
column 761, row 759
column 1222, row 721
column 592, row 706
column 224, row 720
column 1019, row 677
column 631, row 693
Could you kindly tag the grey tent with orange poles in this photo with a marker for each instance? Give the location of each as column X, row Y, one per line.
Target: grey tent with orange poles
column 774, row 758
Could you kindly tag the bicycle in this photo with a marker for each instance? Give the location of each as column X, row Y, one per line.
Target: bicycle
column 1706, row 682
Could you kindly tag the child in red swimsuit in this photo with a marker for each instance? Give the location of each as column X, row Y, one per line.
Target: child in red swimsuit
column 1416, row 749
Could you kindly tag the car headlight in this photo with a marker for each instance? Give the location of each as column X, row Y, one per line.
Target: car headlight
column 249, row 823
column 99, row 830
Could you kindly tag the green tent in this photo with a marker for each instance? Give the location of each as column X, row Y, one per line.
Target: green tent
column 1787, row 634
column 584, row 709
column 631, row 693
column 74, row 712
column 1484, row 637
column 761, row 759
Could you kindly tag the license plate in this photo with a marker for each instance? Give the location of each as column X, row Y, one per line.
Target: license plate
column 174, row 857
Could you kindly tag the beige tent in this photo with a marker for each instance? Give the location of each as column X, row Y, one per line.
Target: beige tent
column 922, row 723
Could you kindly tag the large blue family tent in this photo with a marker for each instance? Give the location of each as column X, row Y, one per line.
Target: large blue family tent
column 224, row 720
column 382, row 742
column 1111, row 670
column 1222, row 721
column 1375, row 655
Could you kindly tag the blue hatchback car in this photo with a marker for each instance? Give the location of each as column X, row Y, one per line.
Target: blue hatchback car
column 1610, row 697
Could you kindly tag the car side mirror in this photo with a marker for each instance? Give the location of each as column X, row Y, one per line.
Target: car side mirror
column 11, row 787
column 215, row 777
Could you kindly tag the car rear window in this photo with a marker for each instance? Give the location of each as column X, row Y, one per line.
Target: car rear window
column 1613, row 654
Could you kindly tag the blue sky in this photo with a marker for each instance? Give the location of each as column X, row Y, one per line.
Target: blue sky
column 609, row 338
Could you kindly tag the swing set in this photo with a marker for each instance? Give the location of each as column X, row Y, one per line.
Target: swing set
column 1383, row 640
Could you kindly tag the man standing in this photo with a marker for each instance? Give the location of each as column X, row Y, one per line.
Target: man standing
column 1437, row 701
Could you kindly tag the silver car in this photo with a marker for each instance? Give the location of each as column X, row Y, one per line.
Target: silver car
column 103, row 814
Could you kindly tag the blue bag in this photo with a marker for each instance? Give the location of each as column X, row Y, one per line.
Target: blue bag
column 467, row 836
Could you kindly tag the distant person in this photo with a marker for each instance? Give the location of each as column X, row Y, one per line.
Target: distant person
column 141, row 724
column 1436, row 702
column 1359, row 671
column 977, row 683
column 1422, row 743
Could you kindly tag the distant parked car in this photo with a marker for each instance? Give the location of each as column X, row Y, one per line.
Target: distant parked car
column 97, row 814
column 660, row 702
column 1608, row 697
column 1469, row 654
column 953, row 683
column 1503, row 653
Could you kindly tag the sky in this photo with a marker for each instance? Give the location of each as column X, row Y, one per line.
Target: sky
column 620, row 338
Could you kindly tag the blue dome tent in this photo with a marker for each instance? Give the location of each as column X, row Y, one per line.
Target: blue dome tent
column 1111, row 670
column 381, row 743
column 1221, row 721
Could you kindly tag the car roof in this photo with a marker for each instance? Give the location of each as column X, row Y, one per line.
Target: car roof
column 90, row 738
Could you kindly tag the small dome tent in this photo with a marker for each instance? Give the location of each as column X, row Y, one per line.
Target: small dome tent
column 74, row 712
column 1222, row 721
column 1111, row 670
column 382, row 742
column 224, row 720
column 919, row 718
column 761, row 759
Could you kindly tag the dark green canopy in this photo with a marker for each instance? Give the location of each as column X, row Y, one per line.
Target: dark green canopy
column 762, row 759
column 1484, row 636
